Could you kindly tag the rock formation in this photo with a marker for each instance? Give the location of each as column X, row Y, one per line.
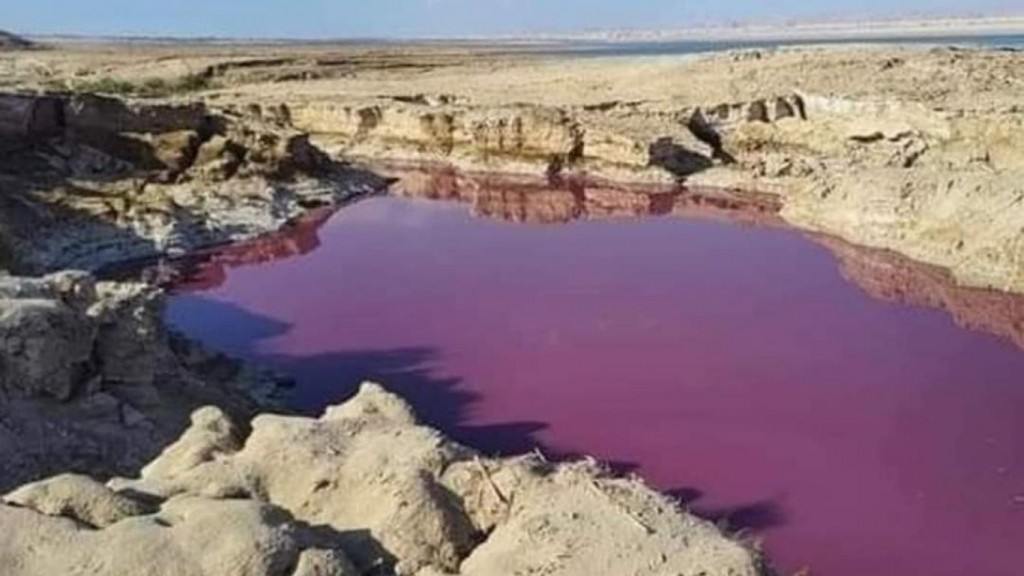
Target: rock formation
column 910, row 149
column 913, row 150
column 92, row 381
column 938, row 187
column 93, row 181
column 882, row 174
column 521, row 138
column 362, row 490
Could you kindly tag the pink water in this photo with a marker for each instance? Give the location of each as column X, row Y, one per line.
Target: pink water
column 733, row 366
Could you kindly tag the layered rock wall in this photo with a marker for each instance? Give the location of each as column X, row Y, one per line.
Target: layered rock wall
column 939, row 186
column 94, row 180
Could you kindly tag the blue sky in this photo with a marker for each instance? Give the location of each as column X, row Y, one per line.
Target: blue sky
column 412, row 18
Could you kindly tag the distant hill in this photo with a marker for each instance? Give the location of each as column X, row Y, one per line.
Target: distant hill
column 8, row 40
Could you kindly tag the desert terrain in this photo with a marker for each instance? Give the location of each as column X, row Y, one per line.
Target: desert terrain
column 117, row 153
column 911, row 149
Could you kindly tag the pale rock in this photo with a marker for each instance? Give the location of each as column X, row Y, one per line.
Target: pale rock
column 210, row 435
column 188, row 536
column 400, row 495
column 77, row 497
column 46, row 347
column 315, row 562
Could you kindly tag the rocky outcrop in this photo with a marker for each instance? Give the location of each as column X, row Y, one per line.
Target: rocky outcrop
column 915, row 150
column 187, row 536
column 30, row 117
column 938, row 187
column 91, row 381
column 765, row 110
column 912, row 150
column 619, row 140
column 94, row 180
column 78, row 497
column 534, row 135
column 385, row 495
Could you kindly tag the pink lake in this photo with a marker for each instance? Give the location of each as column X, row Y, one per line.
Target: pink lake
column 735, row 366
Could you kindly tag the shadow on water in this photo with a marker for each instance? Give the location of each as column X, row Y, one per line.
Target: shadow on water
column 755, row 516
column 331, row 378
column 439, row 401
column 203, row 319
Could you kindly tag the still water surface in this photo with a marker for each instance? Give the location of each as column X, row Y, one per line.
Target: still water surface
column 672, row 48
column 732, row 365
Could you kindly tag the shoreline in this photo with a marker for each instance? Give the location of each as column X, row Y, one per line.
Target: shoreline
column 865, row 30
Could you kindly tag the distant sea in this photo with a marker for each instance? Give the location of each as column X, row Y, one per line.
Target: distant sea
column 669, row 48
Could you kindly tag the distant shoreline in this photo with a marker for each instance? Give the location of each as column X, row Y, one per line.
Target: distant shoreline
column 867, row 30
column 807, row 31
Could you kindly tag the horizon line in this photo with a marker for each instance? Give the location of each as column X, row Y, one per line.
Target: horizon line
column 919, row 26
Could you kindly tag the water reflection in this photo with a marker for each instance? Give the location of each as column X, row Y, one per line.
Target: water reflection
column 207, row 269
column 534, row 200
column 888, row 276
column 882, row 274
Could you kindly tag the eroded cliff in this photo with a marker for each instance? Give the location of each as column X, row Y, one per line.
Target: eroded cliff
column 912, row 149
column 91, row 181
column 915, row 150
